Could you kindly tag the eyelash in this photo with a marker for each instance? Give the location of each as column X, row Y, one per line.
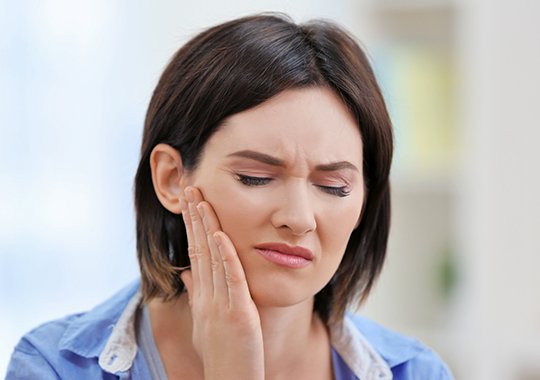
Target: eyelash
column 260, row 181
column 338, row 191
column 253, row 181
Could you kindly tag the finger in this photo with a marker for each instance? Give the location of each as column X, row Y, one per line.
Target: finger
column 237, row 286
column 211, row 225
column 187, row 278
column 199, row 247
column 193, row 259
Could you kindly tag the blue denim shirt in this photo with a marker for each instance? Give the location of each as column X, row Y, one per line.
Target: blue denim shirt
column 101, row 344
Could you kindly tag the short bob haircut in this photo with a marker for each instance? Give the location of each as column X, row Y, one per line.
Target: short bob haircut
column 233, row 67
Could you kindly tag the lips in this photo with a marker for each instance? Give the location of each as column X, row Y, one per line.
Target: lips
column 285, row 255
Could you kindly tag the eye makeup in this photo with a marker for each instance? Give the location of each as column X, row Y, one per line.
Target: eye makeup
column 255, row 169
column 252, row 180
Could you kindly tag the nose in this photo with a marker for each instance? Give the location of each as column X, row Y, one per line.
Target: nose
column 295, row 211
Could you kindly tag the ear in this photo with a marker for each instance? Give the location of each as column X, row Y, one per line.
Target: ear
column 167, row 176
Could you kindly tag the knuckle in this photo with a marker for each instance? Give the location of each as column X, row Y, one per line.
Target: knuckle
column 226, row 259
column 193, row 216
column 233, row 280
column 194, row 252
column 215, row 265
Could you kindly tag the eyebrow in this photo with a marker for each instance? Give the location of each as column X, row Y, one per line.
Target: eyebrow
column 274, row 161
column 336, row 166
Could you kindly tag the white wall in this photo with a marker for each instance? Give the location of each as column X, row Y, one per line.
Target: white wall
column 500, row 209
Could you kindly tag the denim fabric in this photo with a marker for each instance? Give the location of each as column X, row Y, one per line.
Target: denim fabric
column 101, row 344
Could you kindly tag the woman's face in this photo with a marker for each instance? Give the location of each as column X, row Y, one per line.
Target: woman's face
column 288, row 172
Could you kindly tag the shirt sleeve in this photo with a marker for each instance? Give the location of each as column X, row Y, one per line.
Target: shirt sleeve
column 427, row 365
column 28, row 363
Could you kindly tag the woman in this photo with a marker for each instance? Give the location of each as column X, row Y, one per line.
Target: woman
column 263, row 211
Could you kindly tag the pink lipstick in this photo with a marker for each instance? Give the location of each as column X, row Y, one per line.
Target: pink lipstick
column 285, row 255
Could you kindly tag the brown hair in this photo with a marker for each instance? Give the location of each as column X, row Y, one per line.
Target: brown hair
column 235, row 66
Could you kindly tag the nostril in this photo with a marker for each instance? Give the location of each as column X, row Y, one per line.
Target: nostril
column 300, row 229
column 295, row 213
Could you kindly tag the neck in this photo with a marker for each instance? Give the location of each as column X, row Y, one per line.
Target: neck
column 290, row 336
column 293, row 336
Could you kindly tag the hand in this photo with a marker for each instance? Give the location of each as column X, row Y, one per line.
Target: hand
column 226, row 325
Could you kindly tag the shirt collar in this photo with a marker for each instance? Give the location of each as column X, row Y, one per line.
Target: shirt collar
column 358, row 353
column 121, row 348
column 394, row 348
column 107, row 332
column 87, row 334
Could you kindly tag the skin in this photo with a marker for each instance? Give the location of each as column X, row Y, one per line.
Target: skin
column 245, row 317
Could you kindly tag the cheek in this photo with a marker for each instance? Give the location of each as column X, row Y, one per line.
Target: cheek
column 236, row 211
column 349, row 212
column 339, row 222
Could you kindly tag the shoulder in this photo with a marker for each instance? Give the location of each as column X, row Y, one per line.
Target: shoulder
column 37, row 354
column 68, row 347
column 408, row 358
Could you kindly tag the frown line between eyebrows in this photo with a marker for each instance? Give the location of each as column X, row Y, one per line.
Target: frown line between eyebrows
column 274, row 161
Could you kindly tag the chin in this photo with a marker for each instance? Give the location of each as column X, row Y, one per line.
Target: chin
column 281, row 293
column 279, row 300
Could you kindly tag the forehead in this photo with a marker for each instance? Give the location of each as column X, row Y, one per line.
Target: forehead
column 312, row 123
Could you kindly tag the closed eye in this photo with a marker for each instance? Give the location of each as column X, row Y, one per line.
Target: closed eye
column 253, row 181
column 341, row 191
column 247, row 180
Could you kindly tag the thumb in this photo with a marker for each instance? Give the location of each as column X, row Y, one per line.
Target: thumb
column 187, row 279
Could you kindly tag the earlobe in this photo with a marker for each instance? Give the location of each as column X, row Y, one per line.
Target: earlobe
column 167, row 176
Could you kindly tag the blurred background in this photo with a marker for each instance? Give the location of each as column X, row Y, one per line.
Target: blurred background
column 462, row 82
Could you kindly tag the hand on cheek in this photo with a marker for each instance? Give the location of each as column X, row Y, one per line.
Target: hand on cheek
column 226, row 326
